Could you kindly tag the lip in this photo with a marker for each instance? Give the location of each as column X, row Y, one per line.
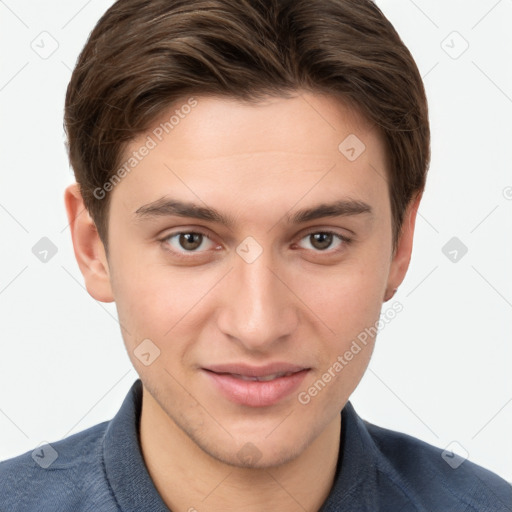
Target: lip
column 256, row 371
column 256, row 393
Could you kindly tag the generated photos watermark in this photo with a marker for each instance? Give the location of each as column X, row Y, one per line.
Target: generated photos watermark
column 150, row 143
column 305, row 397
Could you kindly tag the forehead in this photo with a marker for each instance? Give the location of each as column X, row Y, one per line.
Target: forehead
column 223, row 149
column 272, row 124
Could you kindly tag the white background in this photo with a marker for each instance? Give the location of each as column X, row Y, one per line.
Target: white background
column 441, row 368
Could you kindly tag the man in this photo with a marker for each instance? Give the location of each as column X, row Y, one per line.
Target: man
column 248, row 177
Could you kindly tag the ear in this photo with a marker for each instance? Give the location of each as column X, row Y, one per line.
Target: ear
column 88, row 247
column 402, row 255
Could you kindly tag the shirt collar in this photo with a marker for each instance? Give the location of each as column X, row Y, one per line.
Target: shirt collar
column 355, row 482
column 126, row 470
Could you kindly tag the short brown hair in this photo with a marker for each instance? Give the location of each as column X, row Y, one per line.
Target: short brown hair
column 144, row 55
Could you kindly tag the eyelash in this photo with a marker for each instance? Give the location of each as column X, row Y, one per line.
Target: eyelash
column 183, row 255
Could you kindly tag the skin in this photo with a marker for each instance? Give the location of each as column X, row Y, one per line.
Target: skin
column 297, row 302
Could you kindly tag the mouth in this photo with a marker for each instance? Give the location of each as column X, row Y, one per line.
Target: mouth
column 256, row 386
column 262, row 378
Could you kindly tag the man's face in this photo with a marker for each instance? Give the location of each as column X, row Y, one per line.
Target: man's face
column 224, row 303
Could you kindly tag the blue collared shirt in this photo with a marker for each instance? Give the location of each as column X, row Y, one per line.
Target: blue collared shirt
column 101, row 469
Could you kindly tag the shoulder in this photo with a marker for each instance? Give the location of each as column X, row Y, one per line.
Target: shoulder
column 437, row 476
column 63, row 473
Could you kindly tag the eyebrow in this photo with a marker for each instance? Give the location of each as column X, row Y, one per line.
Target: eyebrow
column 166, row 207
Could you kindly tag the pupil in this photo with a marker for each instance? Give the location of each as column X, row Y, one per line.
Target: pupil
column 325, row 240
column 187, row 240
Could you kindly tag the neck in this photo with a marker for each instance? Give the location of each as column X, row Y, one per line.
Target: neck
column 188, row 479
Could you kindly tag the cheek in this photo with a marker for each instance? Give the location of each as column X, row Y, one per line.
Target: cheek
column 164, row 304
column 347, row 297
column 146, row 302
column 152, row 314
column 350, row 305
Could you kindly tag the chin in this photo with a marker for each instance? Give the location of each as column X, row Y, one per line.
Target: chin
column 252, row 456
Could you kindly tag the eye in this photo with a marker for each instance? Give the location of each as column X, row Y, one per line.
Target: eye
column 320, row 241
column 186, row 244
column 183, row 242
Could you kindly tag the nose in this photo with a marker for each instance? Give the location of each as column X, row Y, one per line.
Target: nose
column 258, row 310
